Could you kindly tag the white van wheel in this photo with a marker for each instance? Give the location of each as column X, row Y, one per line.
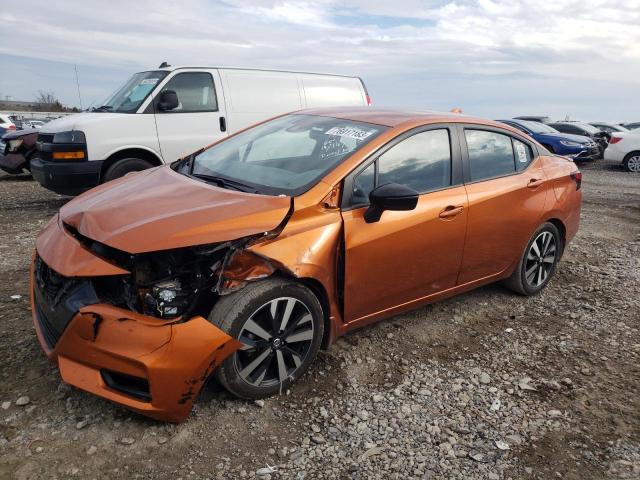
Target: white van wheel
column 124, row 167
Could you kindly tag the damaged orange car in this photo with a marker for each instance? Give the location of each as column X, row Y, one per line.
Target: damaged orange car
column 244, row 259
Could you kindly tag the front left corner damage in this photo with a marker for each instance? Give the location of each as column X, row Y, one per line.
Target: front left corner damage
column 171, row 360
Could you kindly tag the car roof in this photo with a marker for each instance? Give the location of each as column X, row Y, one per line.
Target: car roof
column 394, row 117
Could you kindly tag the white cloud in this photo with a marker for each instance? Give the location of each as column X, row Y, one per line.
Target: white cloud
column 494, row 41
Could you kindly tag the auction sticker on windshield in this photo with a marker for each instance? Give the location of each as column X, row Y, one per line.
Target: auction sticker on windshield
column 350, row 132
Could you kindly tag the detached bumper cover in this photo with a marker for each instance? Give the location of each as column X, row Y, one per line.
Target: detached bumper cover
column 154, row 367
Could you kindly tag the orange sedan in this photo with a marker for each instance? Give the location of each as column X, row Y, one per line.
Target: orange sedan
column 244, row 259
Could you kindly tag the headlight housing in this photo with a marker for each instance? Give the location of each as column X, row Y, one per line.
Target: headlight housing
column 72, row 136
column 569, row 143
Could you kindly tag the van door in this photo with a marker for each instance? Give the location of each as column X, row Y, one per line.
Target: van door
column 198, row 120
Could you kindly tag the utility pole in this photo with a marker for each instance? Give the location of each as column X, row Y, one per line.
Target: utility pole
column 78, row 85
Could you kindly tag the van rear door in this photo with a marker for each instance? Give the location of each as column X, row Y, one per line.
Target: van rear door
column 198, row 120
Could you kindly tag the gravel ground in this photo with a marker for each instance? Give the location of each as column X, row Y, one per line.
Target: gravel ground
column 487, row 385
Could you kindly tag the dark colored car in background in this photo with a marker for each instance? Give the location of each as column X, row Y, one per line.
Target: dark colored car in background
column 586, row 130
column 577, row 147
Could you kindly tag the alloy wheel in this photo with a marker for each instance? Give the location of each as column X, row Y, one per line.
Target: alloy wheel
column 540, row 260
column 276, row 340
column 633, row 164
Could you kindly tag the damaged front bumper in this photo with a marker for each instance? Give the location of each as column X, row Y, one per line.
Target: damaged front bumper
column 153, row 366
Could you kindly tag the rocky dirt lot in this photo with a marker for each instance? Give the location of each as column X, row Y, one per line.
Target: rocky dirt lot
column 488, row 385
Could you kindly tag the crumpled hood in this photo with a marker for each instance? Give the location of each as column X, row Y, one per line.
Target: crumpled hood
column 159, row 209
column 566, row 136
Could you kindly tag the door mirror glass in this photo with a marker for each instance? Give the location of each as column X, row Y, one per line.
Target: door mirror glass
column 168, row 100
column 390, row 196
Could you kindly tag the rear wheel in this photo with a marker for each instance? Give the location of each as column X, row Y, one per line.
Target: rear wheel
column 539, row 261
column 125, row 166
column 280, row 324
column 632, row 162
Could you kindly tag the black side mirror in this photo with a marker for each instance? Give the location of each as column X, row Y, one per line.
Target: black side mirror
column 390, row 196
column 168, row 100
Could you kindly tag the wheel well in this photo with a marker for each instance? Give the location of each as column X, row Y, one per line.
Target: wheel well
column 130, row 153
column 563, row 231
column 318, row 290
column 630, row 154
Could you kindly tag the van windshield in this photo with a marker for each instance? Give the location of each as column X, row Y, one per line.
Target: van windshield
column 131, row 95
column 287, row 155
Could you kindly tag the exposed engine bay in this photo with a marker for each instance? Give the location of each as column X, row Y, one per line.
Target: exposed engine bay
column 176, row 283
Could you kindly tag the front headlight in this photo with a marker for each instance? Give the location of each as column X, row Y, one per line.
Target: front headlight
column 73, row 136
column 569, row 143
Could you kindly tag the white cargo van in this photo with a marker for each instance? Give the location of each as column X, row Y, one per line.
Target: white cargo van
column 162, row 115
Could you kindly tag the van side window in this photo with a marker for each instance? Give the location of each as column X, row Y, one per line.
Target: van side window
column 523, row 152
column 421, row 162
column 196, row 92
column 490, row 154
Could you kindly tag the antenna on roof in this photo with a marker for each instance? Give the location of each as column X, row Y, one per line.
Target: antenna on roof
column 164, row 65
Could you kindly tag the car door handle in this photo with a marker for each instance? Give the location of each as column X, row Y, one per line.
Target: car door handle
column 535, row 182
column 223, row 124
column 451, row 211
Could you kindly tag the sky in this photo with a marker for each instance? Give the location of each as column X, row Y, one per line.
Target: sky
column 491, row 58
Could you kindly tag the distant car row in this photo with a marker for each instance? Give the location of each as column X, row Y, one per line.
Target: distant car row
column 9, row 123
column 583, row 141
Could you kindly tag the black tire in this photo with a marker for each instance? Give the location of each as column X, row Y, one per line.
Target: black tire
column 549, row 147
column 520, row 280
column 233, row 313
column 632, row 165
column 124, row 166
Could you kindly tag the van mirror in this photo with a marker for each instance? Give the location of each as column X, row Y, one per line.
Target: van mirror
column 168, row 100
column 390, row 196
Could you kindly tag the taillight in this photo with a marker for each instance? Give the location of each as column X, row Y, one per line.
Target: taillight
column 12, row 127
column 577, row 177
column 613, row 140
column 368, row 99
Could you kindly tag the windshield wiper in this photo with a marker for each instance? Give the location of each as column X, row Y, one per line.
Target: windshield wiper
column 226, row 182
column 103, row 108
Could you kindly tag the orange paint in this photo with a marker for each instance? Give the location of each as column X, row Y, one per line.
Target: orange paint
column 454, row 240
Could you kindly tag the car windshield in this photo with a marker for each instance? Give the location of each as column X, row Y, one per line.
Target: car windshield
column 536, row 127
column 287, row 155
column 131, row 95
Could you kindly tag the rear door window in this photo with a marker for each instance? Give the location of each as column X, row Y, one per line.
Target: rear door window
column 490, row 154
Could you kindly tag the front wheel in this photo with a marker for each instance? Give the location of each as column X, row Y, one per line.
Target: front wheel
column 539, row 261
column 280, row 324
column 632, row 162
column 125, row 166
